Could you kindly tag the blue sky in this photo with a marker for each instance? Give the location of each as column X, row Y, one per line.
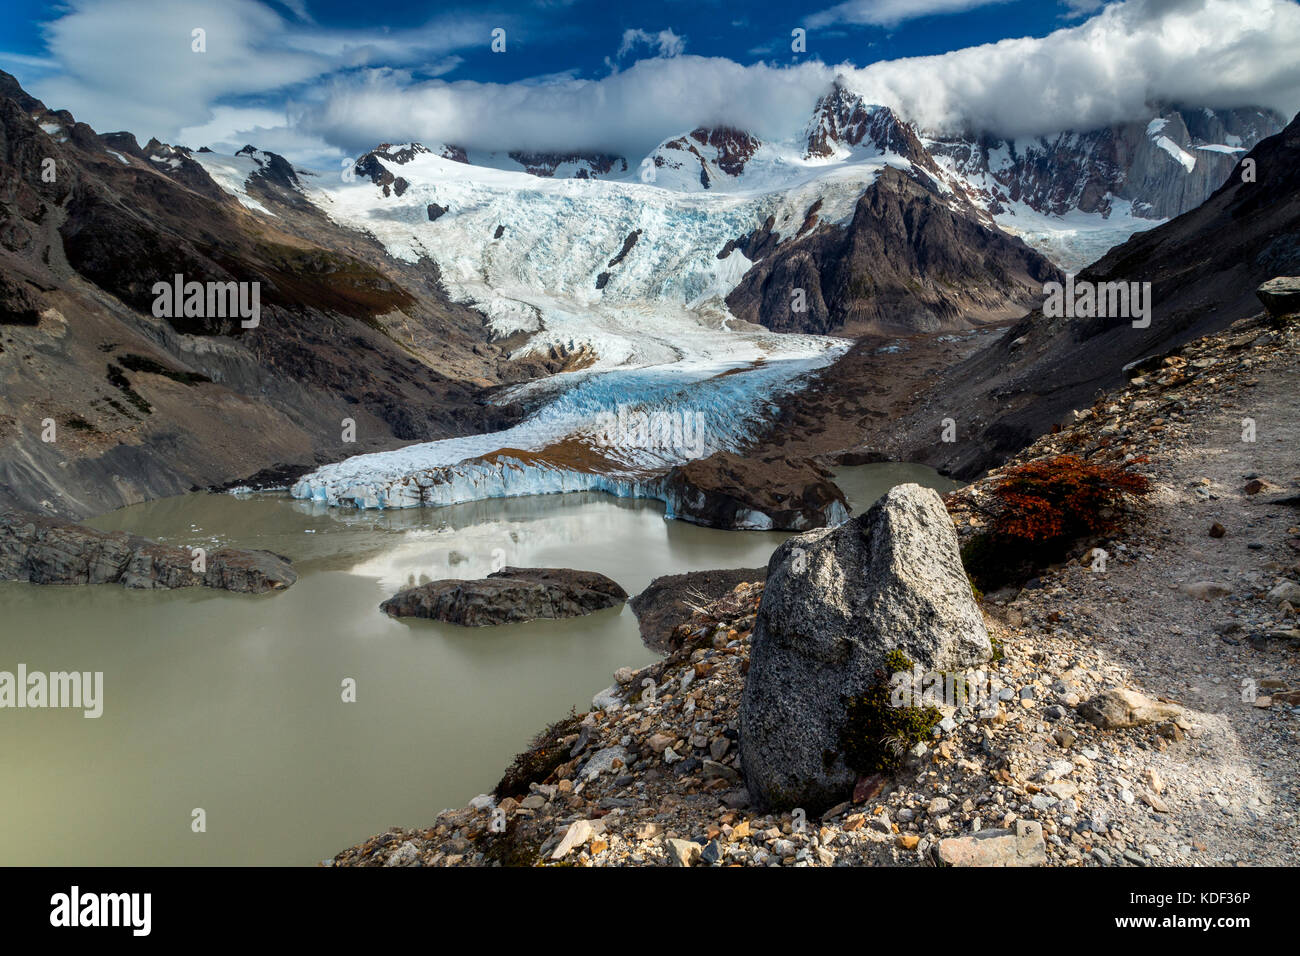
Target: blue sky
column 320, row 79
column 551, row 36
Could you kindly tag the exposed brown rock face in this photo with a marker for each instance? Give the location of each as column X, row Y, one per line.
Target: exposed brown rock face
column 907, row 262
column 508, row 596
column 47, row 551
column 590, row 164
column 734, row 146
column 370, row 166
column 774, row 493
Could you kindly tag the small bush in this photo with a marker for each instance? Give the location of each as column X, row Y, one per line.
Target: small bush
column 512, row 848
column 540, row 760
column 1062, row 498
column 1042, row 507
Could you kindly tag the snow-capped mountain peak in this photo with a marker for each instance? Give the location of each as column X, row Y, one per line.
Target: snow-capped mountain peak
column 843, row 121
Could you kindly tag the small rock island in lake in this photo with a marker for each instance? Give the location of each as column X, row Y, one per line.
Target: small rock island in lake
column 508, row 596
column 43, row 550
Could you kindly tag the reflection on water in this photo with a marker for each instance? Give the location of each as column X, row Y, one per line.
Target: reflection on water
column 232, row 703
column 863, row 484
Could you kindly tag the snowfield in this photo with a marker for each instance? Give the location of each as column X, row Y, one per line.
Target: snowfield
column 1076, row 239
column 231, row 174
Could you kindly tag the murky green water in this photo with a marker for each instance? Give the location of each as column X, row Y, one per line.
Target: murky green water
column 233, row 703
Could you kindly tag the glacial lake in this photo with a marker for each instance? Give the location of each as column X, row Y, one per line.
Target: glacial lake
column 233, row 703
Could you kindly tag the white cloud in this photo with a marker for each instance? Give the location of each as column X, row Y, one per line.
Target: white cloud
column 628, row 112
column 890, row 13
column 665, row 42
column 127, row 64
column 1218, row 53
column 130, row 64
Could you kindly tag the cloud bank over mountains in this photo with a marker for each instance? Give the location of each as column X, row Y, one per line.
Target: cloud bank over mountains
column 317, row 94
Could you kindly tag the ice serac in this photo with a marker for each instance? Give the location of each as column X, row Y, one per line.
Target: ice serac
column 837, row 601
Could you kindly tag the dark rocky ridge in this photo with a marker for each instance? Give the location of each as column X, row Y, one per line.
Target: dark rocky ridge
column 907, row 262
column 43, row 550
column 841, row 119
column 590, row 165
column 508, row 596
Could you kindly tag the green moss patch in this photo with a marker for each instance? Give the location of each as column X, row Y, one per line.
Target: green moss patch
column 876, row 735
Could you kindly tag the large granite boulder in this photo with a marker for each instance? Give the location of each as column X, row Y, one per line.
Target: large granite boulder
column 1281, row 296
column 44, row 550
column 837, row 601
column 771, row 493
column 508, row 596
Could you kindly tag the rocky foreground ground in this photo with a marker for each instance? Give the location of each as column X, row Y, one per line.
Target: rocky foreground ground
column 1148, row 711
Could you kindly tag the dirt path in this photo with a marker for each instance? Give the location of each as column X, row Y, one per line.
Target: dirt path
column 1231, row 788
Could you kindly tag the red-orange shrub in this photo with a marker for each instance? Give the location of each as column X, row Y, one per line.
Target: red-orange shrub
column 1041, row 508
column 1062, row 497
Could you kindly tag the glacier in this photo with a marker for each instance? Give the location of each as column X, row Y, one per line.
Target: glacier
column 672, row 374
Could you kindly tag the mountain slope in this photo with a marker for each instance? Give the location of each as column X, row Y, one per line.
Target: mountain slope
column 1203, row 266
column 145, row 406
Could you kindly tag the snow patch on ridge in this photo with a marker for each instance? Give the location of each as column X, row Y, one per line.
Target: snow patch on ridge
column 231, row 174
column 1186, row 159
